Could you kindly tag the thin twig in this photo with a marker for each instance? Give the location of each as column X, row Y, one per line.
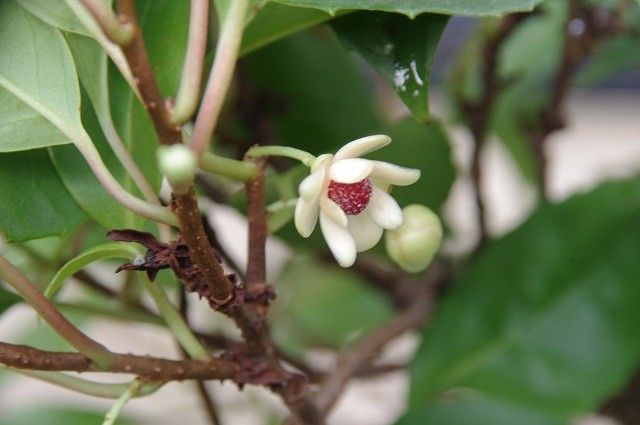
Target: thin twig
column 118, row 32
column 354, row 359
column 220, row 76
column 98, row 353
column 136, row 55
column 151, row 369
column 478, row 113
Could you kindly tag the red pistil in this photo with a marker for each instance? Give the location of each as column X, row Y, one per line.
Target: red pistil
column 353, row 198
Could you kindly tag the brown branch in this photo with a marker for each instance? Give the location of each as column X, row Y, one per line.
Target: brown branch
column 478, row 113
column 185, row 205
column 192, row 230
column 138, row 60
column 578, row 44
column 148, row 368
column 356, row 358
column 257, row 216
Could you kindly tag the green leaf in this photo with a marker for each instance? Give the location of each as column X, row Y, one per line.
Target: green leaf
column 613, row 57
column 328, row 307
column 37, row 68
column 321, row 101
column 401, row 49
column 58, row 415
column 425, row 147
column 413, row 8
column 275, row 21
column 55, row 13
column 468, row 408
column 7, row 299
column 82, row 183
column 547, row 317
column 34, row 201
column 101, row 252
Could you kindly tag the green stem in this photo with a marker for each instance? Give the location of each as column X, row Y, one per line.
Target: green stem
column 303, row 156
column 117, row 32
column 131, row 392
column 175, row 322
column 113, row 187
column 189, row 91
column 238, row 170
column 280, row 213
column 220, row 76
column 84, row 386
column 110, row 311
column 113, row 50
column 27, row 290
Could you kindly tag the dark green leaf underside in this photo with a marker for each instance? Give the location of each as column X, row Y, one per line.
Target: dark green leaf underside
column 34, row 202
column 547, row 317
column 413, row 8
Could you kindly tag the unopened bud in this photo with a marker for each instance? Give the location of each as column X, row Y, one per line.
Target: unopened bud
column 178, row 164
column 414, row 244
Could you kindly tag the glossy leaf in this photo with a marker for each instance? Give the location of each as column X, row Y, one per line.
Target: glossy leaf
column 55, row 13
column 275, row 21
column 101, row 252
column 319, row 99
column 546, row 318
column 329, row 307
column 413, row 8
column 468, row 408
column 34, row 202
column 36, row 67
column 401, row 49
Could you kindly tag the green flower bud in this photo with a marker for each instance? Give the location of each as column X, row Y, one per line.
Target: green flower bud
column 414, row 244
column 179, row 165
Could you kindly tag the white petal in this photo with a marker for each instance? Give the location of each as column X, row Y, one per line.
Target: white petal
column 333, row 211
column 362, row 146
column 394, row 174
column 321, row 161
column 340, row 242
column 306, row 216
column 350, row 170
column 364, row 231
column 311, row 186
column 384, row 210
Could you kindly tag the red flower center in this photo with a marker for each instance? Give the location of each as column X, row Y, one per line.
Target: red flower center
column 353, row 198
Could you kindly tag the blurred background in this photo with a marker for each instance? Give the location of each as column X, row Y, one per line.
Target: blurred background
column 601, row 141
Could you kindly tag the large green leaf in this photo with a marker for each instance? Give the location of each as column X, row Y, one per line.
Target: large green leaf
column 469, row 408
column 55, row 13
column 412, row 8
column 275, row 21
column 547, row 317
column 322, row 305
column 34, row 202
column 36, row 67
column 320, row 100
column 401, row 49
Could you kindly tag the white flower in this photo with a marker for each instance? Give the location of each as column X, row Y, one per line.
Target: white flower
column 349, row 194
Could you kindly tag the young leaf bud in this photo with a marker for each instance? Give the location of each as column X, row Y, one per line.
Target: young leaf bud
column 414, row 244
column 179, row 165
